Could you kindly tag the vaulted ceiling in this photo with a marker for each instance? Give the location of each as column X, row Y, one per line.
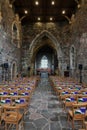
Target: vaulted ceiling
column 44, row 10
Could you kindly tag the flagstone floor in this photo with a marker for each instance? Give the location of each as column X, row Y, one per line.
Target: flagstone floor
column 45, row 110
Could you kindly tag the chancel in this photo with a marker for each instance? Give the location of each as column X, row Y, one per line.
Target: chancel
column 43, row 64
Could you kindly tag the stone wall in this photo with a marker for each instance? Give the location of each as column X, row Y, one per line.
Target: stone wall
column 68, row 35
column 39, row 30
column 9, row 51
column 79, row 40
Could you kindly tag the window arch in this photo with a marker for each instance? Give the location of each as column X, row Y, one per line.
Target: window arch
column 44, row 62
column 14, row 31
column 15, row 34
column 72, row 57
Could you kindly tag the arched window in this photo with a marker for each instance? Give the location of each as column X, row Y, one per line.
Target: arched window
column 15, row 35
column 14, row 32
column 44, row 62
column 72, row 57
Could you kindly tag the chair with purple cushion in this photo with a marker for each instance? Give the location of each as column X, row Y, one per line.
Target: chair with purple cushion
column 77, row 113
column 15, row 93
column 72, row 99
column 84, row 99
column 83, row 109
column 8, row 100
column 75, row 92
column 22, row 100
column 26, row 93
column 5, row 93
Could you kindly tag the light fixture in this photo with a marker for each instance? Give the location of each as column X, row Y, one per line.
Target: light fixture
column 36, row 3
column 63, row 12
column 26, row 12
column 52, row 2
column 51, row 18
column 38, row 18
column 70, row 20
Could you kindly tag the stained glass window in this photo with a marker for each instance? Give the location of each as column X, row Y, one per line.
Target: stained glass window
column 44, row 62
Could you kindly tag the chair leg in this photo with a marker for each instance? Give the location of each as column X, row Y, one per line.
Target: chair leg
column 82, row 125
column 17, row 126
column 5, row 126
column 73, row 124
column 22, row 124
column 68, row 118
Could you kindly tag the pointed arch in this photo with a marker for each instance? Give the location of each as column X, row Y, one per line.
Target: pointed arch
column 15, row 34
column 54, row 40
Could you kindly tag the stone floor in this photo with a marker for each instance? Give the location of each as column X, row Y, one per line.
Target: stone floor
column 45, row 110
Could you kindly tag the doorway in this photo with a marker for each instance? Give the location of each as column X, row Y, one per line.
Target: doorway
column 45, row 64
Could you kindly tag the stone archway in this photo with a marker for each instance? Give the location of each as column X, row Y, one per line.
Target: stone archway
column 50, row 36
column 55, row 45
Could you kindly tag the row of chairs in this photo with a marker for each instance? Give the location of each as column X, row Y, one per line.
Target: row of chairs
column 76, row 110
column 13, row 112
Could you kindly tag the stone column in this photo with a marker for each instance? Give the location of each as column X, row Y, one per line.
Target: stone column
column 60, row 65
column 31, row 69
column 0, row 19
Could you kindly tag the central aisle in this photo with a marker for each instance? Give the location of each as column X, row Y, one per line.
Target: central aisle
column 45, row 111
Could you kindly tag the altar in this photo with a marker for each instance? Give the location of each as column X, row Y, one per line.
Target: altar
column 44, row 71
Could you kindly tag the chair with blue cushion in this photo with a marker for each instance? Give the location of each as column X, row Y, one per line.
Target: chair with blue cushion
column 77, row 113
column 12, row 116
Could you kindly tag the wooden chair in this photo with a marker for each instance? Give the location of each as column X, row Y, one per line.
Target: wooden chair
column 75, row 115
column 0, row 114
column 69, row 101
column 12, row 116
column 85, row 126
column 22, row 104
